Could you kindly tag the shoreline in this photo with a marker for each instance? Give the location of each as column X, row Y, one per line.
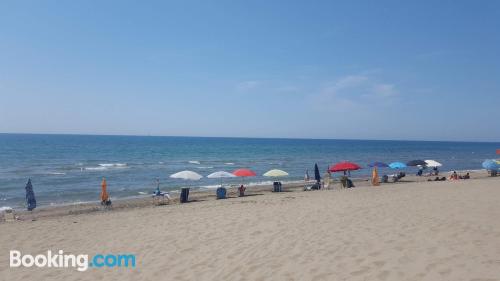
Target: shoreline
column 197, row 195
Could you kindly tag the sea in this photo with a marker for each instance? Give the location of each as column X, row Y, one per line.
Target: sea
column 68, row 169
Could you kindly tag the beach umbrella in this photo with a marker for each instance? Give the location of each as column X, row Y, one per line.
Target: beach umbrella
column 317, row 176
column 30, row 196
column 244, row 173
column 104, row 193
column 375, row 179
column 378, row 164
column 186, row 175
column 344, row 166
column 432, row 163
column 414, row 163
column 275, row 173
column 491, row 165
column 220, row 175
column 397, row 165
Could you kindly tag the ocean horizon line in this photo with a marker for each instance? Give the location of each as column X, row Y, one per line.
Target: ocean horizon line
column 247, row 138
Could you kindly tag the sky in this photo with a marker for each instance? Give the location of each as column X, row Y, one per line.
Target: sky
column 409, row 70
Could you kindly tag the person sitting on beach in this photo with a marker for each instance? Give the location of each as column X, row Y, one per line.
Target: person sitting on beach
column 420, row 171
column 454, row 176
column 435, row 171
column 465, row 177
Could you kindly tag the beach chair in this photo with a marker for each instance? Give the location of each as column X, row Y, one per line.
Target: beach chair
column 343, row 181
column 7, row 215
column 385, row 179
column 277, row 186
column 161, row 198
column 221, row 193
column 184, row 195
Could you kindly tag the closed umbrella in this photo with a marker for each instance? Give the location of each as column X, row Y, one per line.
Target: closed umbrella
column 317, row 176
column 375, row 179
column 30, row 196
column 104, row 193
column 432, row 163
column 397, row 165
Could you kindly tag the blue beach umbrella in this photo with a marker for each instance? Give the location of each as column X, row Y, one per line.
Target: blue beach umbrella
column 490, row 165
column 30, row 196
column 397, row 165
column 378, row 165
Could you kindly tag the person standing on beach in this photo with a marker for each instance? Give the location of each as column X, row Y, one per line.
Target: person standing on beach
column 306, row 177
column 327, row 178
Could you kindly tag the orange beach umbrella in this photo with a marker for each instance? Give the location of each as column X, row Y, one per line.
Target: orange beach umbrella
column 104, row 193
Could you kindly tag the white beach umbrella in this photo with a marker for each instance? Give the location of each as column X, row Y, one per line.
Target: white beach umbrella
column 275, row 173
column 186, row 175
column 220, row 175
column 433, row 163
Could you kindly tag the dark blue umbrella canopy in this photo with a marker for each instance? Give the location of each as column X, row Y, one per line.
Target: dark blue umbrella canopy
column 416, row 163
column 30, row 196
column 316, row 173
column 378, row 165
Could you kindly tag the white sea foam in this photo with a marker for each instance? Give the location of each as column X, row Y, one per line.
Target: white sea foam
column 194, row 162
column 5, row 208
column 57, row 173
column 113, row 165
column 205, row 167
column 229, row 163
column 107, row 166
column 210, row 186
column 142, row 193
column 96, row 168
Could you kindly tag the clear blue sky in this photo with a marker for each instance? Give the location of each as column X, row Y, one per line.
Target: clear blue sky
column 315, row 69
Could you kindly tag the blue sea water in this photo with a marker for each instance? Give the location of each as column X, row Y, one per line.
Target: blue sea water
column 69, row 168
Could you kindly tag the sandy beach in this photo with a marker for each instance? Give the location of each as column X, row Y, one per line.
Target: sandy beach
column 414, row 231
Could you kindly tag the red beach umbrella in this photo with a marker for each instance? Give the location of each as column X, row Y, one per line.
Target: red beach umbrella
column 344, row 166
column 244, row 173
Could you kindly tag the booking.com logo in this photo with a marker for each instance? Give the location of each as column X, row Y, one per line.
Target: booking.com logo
column 62, row 260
